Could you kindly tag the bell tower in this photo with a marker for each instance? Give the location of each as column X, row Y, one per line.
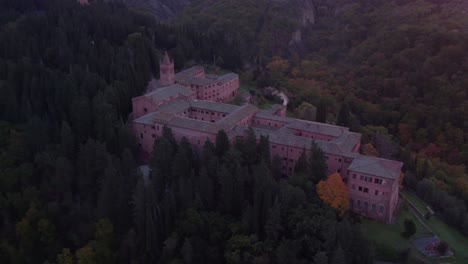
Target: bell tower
column 166, row 71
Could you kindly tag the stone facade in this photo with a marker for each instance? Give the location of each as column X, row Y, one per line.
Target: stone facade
column 193, row 106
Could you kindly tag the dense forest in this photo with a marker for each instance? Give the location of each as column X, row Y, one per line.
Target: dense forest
column 395, row 71
column 70, row 191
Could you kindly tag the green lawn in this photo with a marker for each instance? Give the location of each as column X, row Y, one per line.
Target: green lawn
column 458, row 242
column 418, row 203
column 387, row 237
column 389, row 242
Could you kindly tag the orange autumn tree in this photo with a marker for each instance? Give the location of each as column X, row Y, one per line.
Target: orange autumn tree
column 334, row 192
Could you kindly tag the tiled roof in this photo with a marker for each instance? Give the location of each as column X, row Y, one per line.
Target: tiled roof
column 191, row 71
column 183, row 78
column 213, row 106
column 234, row 117
column 268, row 114
column 165, row 93
column 177, row 106
column 146, row 119
column 347, row 141
column 319, row 128
column 389, row 169
column 195, row 124
column 227, row 77
column 297, row 141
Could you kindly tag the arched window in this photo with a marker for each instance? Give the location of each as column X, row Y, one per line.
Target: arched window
column 381, row 209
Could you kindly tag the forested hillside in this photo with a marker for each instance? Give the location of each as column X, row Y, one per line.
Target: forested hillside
column 396, row 71
column 69, row 187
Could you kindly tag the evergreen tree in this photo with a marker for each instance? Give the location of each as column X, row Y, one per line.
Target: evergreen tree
column 264, row 150
column 322, row 110
column 222, row 143
column 67, row 141
column 317, row 163
column 302, row 164
column 344, row 116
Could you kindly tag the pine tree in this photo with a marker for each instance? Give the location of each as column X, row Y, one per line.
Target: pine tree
column 67, row 141
column 222, row 143
column 302, row 164
column 264, row 150
column 317, row 163
column 321, row 115
column 343, row 116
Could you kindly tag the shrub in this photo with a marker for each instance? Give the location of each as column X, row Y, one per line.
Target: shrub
column 410, row 228
column 442, row 248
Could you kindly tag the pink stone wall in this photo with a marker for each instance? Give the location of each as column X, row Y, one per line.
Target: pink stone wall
column 142, row 106
column 267, row 122
column 146, row 135
column 364, row 189
column 206, row 115
column 308, row 134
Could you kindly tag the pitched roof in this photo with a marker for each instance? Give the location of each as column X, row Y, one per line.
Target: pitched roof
column 165, row 93
column 319, row 128
column 191, row 71
column 389, row 169
column 146, row 119
column 281, row 138
column 195, row 124
column 227, row 77
column 213, row 106
column 194, row 80
column 235, row 116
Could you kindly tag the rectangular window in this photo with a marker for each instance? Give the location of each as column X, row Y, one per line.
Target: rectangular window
column 366, row 190
column 153, row 135
column 360, row 188
column 359, row 204
column 374, row 208
column 354, row 175
column 381, row 209
column 141, row 135
column 353, row 187
column 376, row 192
column 351, row 203
column 361, row 178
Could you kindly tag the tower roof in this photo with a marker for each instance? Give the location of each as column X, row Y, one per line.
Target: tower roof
column 166, row 59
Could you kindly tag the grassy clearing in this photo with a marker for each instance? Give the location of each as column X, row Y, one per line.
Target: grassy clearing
column 418, row 203
column 458, row 243
column 388, row 240
column 390, row 244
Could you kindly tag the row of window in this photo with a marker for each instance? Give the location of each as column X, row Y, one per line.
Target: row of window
column 368, row 179
column 312, row 136
column 269, row 124
column 364, row 205
column 366, row 190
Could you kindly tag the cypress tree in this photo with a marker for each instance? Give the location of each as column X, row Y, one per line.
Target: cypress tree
column 317, row 163
column 222, row 143
column 343, row 116
column 321, row 115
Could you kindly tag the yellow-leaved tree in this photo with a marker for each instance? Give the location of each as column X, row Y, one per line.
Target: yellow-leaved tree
column 334, row 192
